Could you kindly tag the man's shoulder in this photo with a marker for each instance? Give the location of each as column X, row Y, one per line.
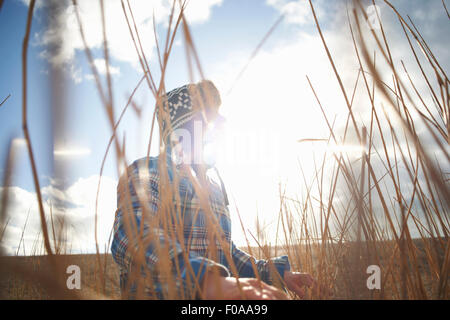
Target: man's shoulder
column 141, row 172
column 146, row 166
column 145, row 163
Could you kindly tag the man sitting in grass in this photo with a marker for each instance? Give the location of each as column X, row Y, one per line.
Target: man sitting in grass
column 172, row 230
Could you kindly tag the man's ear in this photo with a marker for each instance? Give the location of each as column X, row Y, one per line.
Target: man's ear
column 205, row 100
column 211, row 98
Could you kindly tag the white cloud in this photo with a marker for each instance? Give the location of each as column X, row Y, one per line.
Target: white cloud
column 200, row 11
column 101, row 68
column 75, row 73
column 75, row 205
column 62, row 39
column 100, row 64
column 296, row 12
column 71, row 152
column 38, row 4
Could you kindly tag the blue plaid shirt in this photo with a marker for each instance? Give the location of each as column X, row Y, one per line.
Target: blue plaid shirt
column 143, row 176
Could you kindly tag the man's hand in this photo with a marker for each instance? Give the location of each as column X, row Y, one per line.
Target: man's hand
column 221, row 288
column 296, row 282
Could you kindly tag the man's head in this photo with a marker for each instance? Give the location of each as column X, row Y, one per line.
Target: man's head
column 190, row 110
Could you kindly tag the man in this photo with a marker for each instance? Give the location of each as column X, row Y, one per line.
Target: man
column 172, row 230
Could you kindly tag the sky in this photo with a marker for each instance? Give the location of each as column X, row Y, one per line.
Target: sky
column 267, row 109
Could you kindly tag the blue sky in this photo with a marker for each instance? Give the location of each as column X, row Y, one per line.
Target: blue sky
column 273, row 93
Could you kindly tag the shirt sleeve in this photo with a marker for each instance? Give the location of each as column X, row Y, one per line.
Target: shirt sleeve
column 270, row 271
column 123, row 251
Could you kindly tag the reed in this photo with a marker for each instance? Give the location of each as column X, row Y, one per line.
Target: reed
column 388, row 208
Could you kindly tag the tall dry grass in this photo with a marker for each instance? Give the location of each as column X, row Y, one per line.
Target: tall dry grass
column 389, row 208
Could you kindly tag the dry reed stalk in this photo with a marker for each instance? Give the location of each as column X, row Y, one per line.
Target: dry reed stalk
column 317, row 232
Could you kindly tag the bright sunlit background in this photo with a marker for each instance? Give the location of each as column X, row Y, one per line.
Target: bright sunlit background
column 268, row 109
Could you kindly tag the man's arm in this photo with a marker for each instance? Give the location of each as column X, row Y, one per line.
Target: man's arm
column 245, row 285
column 275, row 271
column 270, row 271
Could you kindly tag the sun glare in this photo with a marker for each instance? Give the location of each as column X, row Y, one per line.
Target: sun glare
column 72, row 152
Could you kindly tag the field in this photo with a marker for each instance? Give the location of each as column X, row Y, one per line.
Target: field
column 385, row 208
column 34, row 285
